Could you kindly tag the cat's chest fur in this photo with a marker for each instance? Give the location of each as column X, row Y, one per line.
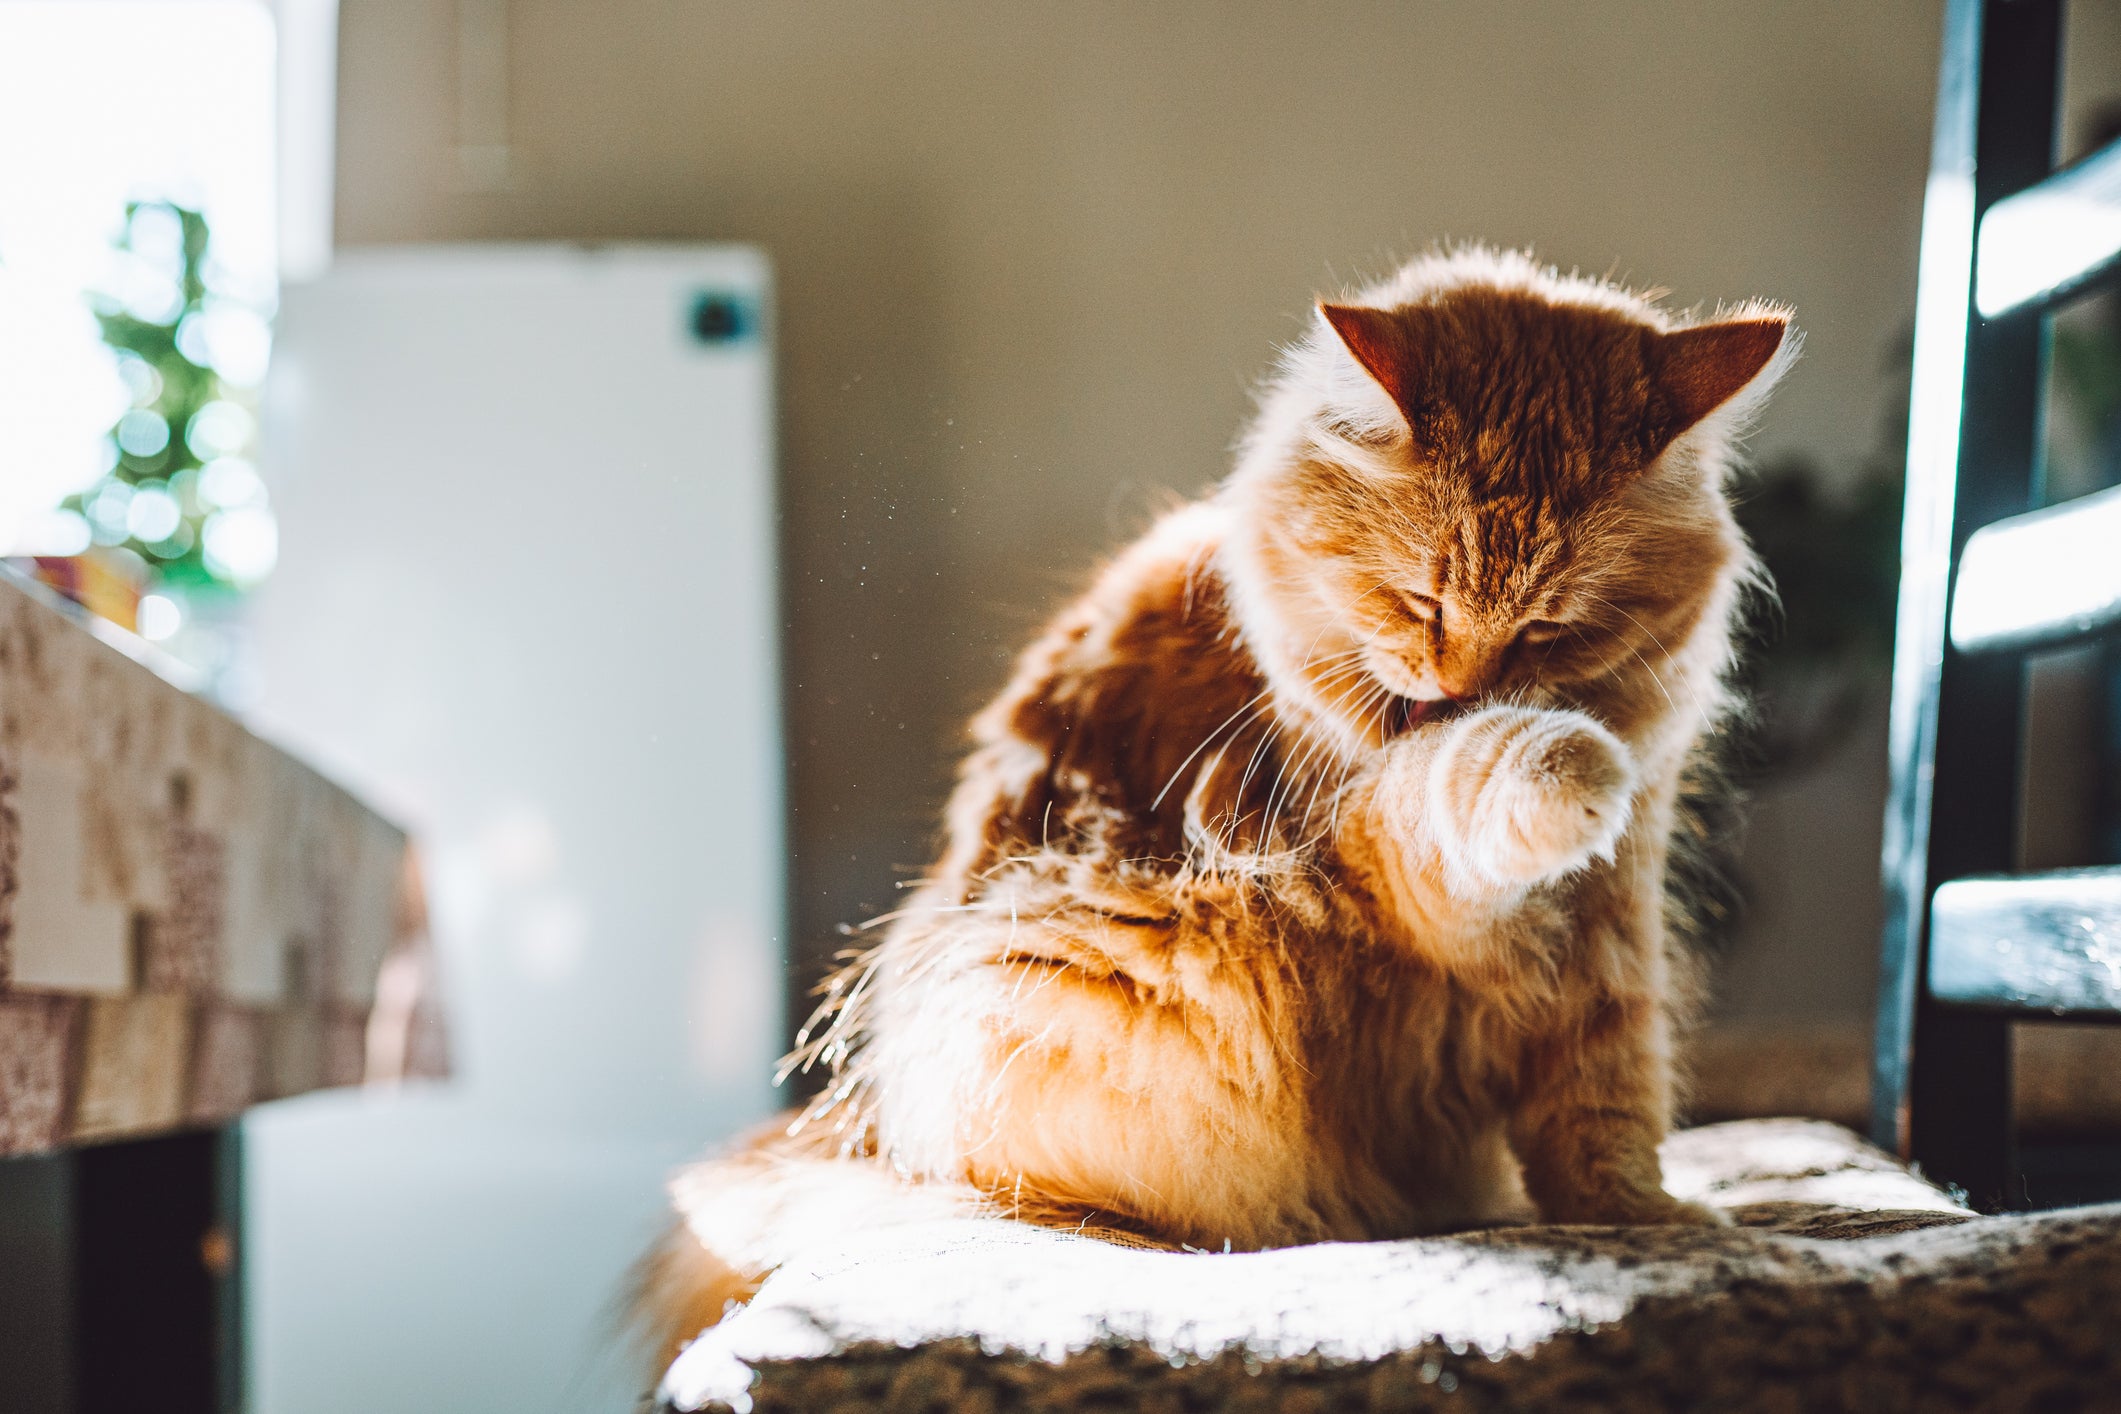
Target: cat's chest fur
column 1141, row 737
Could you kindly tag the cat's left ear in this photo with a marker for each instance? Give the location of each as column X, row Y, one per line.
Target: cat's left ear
column 1697, row 371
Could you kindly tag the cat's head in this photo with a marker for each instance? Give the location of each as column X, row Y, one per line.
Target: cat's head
column 1483, row 479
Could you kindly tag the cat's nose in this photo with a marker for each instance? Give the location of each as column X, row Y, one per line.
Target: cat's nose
column 1469, row 676
column 1454, row 690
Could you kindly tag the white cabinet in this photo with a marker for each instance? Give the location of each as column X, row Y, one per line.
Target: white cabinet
column 525, row 602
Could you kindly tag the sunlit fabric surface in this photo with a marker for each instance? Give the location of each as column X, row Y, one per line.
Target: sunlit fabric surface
column 1848, row 1283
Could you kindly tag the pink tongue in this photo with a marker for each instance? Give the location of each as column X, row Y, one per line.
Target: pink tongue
column 1413, row 712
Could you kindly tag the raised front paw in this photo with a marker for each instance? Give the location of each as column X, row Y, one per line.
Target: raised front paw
column 1522, row 795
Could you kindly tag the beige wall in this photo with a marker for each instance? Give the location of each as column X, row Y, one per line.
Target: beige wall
column 1031, row 258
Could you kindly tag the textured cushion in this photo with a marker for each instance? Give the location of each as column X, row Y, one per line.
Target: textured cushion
column 1848, row 1283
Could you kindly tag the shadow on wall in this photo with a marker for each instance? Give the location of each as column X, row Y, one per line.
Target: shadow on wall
column 869, row 579
column 867, row 571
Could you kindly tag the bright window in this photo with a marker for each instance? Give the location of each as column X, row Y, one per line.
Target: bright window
column 105, row 102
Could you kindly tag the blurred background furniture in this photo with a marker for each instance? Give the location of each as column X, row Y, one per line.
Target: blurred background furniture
column 192, row 922
column 527, row 596
column 1987, row 580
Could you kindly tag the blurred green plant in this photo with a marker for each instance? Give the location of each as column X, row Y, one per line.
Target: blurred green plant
column 1820, row 647
column 181, row 493
column 1835, row 561
column 2086, row 359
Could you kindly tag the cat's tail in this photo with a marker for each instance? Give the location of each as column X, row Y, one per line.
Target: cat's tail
column 741, row 1216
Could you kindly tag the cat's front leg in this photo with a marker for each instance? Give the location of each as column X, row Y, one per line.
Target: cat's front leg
column 1591, row 1116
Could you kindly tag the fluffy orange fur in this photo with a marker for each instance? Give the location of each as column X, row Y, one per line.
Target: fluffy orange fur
column 1307, row 880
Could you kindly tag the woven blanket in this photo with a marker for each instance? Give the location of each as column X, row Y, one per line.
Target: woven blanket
column 1846, row 1283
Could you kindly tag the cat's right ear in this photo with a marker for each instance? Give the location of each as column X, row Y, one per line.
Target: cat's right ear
column 1385, row 346
column 1378, row 341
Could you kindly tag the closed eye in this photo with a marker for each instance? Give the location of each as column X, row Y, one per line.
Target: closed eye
column 1541, row 631
column 1421, row 606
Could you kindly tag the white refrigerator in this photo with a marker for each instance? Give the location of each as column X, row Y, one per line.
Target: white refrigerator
column 526, row 604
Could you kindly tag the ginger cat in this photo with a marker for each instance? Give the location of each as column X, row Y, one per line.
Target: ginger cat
column 1308, row 879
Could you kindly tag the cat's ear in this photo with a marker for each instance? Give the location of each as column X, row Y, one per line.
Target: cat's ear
column 1386, row 347
column 1379, row 343
column 1697, row 371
